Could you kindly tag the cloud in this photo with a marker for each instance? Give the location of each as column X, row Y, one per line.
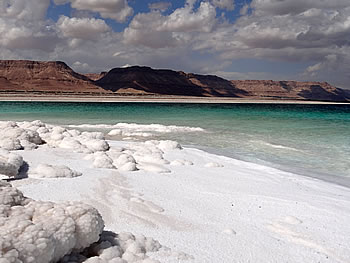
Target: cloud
column 118, row 10
column 28, row 10
column 160, row 6
column 82, row 28
column 314, row 35
column 295, row 7
column 156, row 30
column 224, row 4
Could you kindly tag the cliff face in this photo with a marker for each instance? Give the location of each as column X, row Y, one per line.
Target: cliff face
column 24, row 75
column 56, row 77
column 269, row 89
column 167, row 82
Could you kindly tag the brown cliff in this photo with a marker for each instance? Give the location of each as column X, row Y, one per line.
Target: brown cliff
column 295, row 90
column 145, row 80
column 42, row 76
column 56, row 77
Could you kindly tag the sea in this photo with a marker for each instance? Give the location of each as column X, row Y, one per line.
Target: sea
column 305, row 139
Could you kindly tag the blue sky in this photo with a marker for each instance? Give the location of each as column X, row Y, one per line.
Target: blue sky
column 236, row 39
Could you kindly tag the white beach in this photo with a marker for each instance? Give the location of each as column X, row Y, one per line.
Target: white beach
column 204, row 207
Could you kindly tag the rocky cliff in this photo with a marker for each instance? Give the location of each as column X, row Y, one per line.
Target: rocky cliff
column 56, row 77
column 269, row 89
column 42, row 76
column 145, row 80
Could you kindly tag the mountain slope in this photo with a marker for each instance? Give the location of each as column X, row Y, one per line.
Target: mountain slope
column 55, row 77
column 43, row 76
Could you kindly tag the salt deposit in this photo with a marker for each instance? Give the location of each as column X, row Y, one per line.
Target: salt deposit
column 117, row 248
column 53, row 171
column 237, row 210
column 213, row 164
column 130, row 127
column 42, row 232
column 10, row 163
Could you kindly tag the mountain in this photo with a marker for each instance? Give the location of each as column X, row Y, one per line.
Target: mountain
column 145, row 80
column 43, row 76
column 55, row 77
column 166, row 82
column 294, row 90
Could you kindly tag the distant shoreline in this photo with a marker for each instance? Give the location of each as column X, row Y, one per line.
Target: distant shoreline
column 156, row 99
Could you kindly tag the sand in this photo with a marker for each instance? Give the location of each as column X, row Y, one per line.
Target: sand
column 156, row 99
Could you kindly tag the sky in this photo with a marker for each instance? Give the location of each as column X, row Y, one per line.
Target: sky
column 306, row 40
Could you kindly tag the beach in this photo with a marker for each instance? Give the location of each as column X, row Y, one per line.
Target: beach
column 201, row 207
column 153, row 99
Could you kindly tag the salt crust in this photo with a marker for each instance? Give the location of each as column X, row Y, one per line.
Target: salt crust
column 43, row 232
column 53, row 171
column 133, row 127
column 147, row 156
column 10, row 163
column 34, row 231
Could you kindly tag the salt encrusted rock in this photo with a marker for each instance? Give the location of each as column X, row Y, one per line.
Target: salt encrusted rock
column 117, row 248
column 53, row 171
column 14, row 137
column 43, row 232
column 102, row 160
column 10, row 163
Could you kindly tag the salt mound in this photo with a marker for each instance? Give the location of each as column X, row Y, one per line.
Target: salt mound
column 43, row 232
column 53, row 171
column 10, row 163
column 117, row 248
column 15, row 137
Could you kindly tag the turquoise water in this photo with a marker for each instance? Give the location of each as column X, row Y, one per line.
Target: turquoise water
column 311, row 140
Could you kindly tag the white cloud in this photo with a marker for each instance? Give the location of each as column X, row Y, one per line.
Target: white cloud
column 24, row 9
column 294, row 7
column 82, row 28
column 224, row 4
column 310, row 32
column 156, row 30
column 118, row 10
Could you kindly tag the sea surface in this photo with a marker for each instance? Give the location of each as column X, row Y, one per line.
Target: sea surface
column 311, row 140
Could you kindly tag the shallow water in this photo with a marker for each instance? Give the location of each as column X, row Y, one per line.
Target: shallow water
column 306, row 139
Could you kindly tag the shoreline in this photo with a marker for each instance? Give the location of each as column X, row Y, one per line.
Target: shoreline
column 336, row 179
column 159, row 99
column 179, row 195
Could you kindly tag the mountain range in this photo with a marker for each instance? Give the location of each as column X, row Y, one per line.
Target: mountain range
column 56, row 77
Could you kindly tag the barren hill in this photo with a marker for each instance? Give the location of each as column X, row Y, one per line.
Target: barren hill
column 269, row 89
column 167, row 82
column 42, row 76
column 56, row 77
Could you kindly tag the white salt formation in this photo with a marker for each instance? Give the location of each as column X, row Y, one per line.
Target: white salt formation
column 42, row 232
column 147, row 156
column 53, row 171
column 117, row 248
column 10, row 163
column 27, row 135
column 16, row 137
column 133, row 127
